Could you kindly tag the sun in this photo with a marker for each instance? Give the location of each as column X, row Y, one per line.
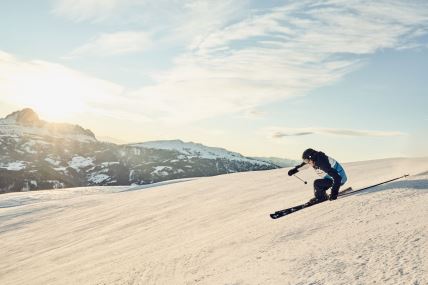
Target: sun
column 55, row 99
column 55, row 92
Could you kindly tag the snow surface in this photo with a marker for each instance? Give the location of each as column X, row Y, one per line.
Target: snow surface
column 53, row 161
column 13, row 166
column 217, row 230
column 98, row 177
column 161, row 170
column 78, row 162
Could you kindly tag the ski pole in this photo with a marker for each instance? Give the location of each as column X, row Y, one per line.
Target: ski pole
column 372, row 186
column 300, row 179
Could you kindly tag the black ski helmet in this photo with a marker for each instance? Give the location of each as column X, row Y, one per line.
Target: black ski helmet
column 308, row 154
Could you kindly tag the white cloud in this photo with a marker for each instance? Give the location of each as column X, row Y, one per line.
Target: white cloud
column 172, row 23
column 114, row 44
column 277, row 133
column 81, row 10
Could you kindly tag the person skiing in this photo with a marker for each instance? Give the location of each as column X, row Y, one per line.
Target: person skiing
column 333, row 174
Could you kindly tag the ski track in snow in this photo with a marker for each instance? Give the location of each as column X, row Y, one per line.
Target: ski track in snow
column 217, row 230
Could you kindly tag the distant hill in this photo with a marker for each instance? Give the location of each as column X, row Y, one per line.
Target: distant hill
column 281, row 162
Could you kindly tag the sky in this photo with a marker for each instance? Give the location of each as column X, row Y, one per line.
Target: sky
column 263, row 78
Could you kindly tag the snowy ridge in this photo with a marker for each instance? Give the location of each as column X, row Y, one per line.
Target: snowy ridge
column 192, row 149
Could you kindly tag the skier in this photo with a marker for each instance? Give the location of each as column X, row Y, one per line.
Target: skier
column 333, row 174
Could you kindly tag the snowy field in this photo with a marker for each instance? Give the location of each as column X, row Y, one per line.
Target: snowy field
column 217, row 230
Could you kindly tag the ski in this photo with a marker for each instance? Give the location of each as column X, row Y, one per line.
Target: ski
column 344, row 193
column 285, row 212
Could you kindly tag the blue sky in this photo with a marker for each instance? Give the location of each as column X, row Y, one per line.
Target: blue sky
column 264, row 78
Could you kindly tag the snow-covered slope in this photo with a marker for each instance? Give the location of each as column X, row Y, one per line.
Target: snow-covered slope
column 217, row 230
column 281, row 162
column 196, row 150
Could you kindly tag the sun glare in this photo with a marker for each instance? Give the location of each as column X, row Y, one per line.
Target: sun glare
column 56, row 97
column 56, row 93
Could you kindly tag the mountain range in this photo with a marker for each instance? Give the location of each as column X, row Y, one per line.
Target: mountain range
column 35, row 154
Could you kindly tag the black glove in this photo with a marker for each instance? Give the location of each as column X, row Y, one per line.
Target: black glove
column 292, row 171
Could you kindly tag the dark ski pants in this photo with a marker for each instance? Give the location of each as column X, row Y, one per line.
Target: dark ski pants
column 320, row 187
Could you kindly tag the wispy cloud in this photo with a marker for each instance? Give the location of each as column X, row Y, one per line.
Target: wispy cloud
column 168, row 16
column 290, row 134
column 293, row 132
column 254, row 113
column 114, row 44
column 164, row 22
column 237, row 59
column 94, row 10
column 283, row 52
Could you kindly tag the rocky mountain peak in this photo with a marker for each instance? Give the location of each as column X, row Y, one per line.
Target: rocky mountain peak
column 32, row 125
column 25, row 117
